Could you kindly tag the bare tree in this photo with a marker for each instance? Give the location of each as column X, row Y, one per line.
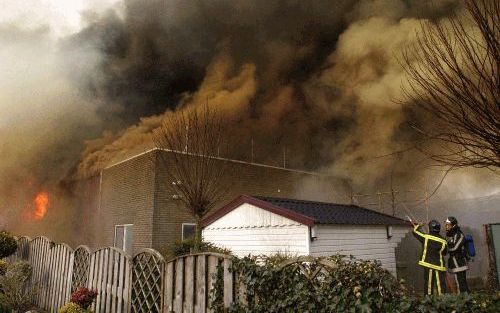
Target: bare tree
column 193, row 139
column 454, row 74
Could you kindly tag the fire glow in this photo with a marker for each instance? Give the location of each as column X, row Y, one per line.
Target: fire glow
column 41, row 202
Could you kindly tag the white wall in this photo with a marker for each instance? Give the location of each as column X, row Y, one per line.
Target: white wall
column 251, row 230
column 364, row 242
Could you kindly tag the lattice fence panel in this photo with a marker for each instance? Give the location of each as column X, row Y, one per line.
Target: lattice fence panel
column 147, row 281
column 81, row 267
column 314, row 269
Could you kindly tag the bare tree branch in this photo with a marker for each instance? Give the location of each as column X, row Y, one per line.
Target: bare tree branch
column 454, row 73
column 193, row 140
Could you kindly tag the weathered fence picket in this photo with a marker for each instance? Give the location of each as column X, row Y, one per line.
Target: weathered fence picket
column 213, row 262
column 113, row 290
column 189, row 284
column 58, row 285
column 179, row 283
column 201, row 284
column 144, row 283
column 38, row 255
column 228, row 284
column 169, row 288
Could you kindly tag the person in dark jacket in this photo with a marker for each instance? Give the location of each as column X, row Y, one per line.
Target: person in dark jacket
column 434, row 248
column 457, row 262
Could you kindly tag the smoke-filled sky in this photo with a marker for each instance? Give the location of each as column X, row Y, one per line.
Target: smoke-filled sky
column 84, row 82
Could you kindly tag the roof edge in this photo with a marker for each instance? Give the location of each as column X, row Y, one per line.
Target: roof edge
column 300, row 218
column 405, row 222
column 318, row 174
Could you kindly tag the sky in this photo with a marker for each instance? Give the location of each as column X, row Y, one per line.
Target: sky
column 63, row 17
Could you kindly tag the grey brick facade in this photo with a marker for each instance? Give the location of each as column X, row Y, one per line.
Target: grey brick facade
column 136, row 191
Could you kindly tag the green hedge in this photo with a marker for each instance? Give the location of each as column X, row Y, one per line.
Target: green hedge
column 188, row 247
column 8, row 244
column 352, row 286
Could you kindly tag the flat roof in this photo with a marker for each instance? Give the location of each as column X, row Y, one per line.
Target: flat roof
column 223, row 159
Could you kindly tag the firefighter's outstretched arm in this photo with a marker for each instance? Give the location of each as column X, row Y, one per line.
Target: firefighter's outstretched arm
column 417, row 233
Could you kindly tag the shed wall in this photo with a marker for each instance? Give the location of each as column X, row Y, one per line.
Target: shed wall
column 364, row 242
column 251, row 230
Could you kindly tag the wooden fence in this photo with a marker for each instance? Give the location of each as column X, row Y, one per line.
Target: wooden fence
column 143, row 283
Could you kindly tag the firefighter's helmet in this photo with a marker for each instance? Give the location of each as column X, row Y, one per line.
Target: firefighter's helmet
column 452, row 220
column 434, row 226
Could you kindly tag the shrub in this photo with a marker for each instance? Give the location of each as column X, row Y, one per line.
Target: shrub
column 8, row 244
column 188, row 246
column 3, row 267
column 72, row 307
column 83, row 297
column 14, row 294
column 463, row 303
column 351, row 286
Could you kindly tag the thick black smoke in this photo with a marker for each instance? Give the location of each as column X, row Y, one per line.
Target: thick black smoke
column 158, row 53
column 160, row 50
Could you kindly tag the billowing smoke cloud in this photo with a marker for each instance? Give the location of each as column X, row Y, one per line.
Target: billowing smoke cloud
column 317, row 79
column 44, row 116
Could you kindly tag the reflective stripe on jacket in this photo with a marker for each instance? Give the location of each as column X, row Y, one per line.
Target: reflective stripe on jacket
column 434, row 248
column 456, row 247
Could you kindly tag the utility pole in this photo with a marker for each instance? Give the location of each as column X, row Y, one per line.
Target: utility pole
column 393, row 198
column 351, row 194
column 379, row 201
column 251, row 158
column 284, row 157
column 187, row 139
column 427, row 203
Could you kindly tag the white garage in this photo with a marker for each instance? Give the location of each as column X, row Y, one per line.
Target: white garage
column 263, row 226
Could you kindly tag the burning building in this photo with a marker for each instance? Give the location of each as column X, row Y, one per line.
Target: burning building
column 319, row 79
column 137, row 209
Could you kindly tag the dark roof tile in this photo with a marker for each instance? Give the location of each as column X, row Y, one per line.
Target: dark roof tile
column 331, row 213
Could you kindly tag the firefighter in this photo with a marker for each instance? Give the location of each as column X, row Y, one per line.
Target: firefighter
column 457, row 262
column 434, row 248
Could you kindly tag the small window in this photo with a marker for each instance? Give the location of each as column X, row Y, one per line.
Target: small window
column 188, row 230
column 389, row 231
column 124, row 235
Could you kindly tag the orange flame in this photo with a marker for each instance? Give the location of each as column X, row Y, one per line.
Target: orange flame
column 41, row 204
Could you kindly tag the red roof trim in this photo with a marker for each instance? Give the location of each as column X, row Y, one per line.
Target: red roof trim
column 303, row 219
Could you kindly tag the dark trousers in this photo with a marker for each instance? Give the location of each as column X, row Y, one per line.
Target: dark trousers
column 434, row 281
column 461, row 281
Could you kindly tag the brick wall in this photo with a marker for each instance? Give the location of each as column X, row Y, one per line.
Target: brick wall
column 169, row 214
column 138, row 192
column 127, row 197
column 86, row 203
